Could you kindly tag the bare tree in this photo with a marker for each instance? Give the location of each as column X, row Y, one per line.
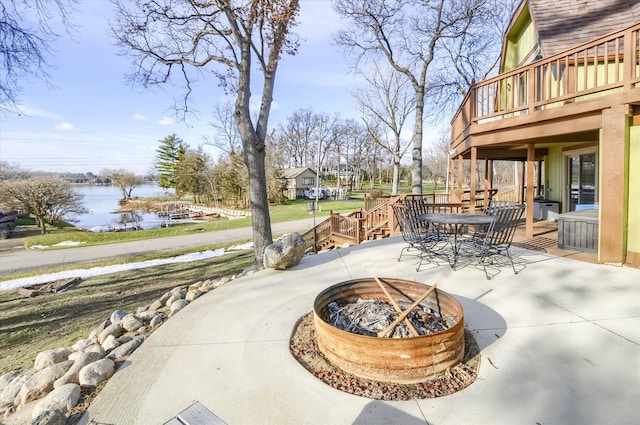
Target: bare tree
column 437, row 158
column 359, row 151
column 473, row 54
column 25, row 47
column 409, row 35
column 226, row 136
column 386, row 104
column 170, row 36
column 10, row 171
column 298, row 136
column 49, row 200
column 125, row 180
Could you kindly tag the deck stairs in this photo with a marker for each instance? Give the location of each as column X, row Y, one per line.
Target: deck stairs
column 375, row 222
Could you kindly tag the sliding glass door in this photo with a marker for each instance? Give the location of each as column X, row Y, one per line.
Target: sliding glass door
column 582, row 179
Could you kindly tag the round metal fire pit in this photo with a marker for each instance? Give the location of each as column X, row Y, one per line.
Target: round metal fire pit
column 399, row 360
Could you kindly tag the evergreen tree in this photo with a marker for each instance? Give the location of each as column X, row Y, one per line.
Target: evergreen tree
column 169, row 152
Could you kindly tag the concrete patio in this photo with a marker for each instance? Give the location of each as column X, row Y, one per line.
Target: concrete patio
column 560, row 344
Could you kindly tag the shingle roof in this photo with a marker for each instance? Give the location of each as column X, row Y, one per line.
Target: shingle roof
column 290, row 173
column 563, row 24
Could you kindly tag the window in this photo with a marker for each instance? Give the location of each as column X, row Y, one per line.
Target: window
column 307, row 181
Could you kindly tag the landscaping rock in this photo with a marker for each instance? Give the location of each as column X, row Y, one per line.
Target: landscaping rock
column 157, row 320
column 41, row 382
column 284, row 252
column 10, row 391
column 110, row 343
column 131, row 323
column 97, row 348
column 96, row 372
column 144, row 330
column 61, row 399
column 165, row 297
column 117, row 316
column 125, row 349
column 114, row 329
column 209, row 285
column 50, row 357
column 157, row 305
column 194, row 286
column 141, row 309
column 83, row 344
column 50, row 417
column 176, row 306
column 147, row 315
column 124, row 339
column 179, row 292
column 102, row 326
column 71, row 376
column 192, row 295
column 7, row 378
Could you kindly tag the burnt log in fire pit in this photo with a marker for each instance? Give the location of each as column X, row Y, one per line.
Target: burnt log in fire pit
column 407, row 360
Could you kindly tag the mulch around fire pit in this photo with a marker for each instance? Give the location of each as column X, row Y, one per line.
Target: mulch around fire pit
column 304, row 348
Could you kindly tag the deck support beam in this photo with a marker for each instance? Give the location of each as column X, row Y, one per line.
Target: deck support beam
column 614, row 144
column 531, row 153
column 473, row 184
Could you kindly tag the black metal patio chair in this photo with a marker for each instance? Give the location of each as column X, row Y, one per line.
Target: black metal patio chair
column 491, row 244
column 427, row 240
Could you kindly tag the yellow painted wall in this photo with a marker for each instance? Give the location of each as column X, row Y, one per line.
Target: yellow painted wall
column 520, row 41
column 554, row 177
column 633, row 240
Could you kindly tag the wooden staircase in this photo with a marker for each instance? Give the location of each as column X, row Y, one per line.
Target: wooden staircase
column 354, row 228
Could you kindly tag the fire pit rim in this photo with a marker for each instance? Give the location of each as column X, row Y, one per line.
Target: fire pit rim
column 400, row 360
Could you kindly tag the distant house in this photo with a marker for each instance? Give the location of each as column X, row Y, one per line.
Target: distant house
column 566, row 104
column 297, row 181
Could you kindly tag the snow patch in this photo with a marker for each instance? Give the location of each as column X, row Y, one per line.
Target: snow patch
column 99, row 271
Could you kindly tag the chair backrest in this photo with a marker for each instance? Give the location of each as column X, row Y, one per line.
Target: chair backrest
column 414, row 207
column 496, row 205
column 503, row 227
column 407, row 225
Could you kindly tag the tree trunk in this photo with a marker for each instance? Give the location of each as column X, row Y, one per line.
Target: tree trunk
column 416, row 151
column 261, row 220
column 41, row 224
column 396, row 177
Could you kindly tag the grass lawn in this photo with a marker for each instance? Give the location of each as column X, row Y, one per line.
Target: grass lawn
column 292, row 210
column 31, row 325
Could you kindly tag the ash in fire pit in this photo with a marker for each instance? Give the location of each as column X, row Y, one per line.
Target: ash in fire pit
column 372, row 316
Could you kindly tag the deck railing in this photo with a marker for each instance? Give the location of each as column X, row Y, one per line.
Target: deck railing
column 605, row 66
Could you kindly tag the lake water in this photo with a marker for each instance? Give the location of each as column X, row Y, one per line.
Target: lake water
column 102, row 203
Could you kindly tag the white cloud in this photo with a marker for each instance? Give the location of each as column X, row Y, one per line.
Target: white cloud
column 35, row 112
column 139, row 117
column 166, row 121
column 65, row 126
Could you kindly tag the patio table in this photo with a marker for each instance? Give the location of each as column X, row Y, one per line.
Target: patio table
column 456, row 220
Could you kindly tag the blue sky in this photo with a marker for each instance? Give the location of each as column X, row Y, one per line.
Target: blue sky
column 89, row 119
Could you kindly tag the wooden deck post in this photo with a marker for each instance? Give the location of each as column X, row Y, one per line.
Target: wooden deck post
column 613, row 201
column 531, row 154
column 473, row 183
